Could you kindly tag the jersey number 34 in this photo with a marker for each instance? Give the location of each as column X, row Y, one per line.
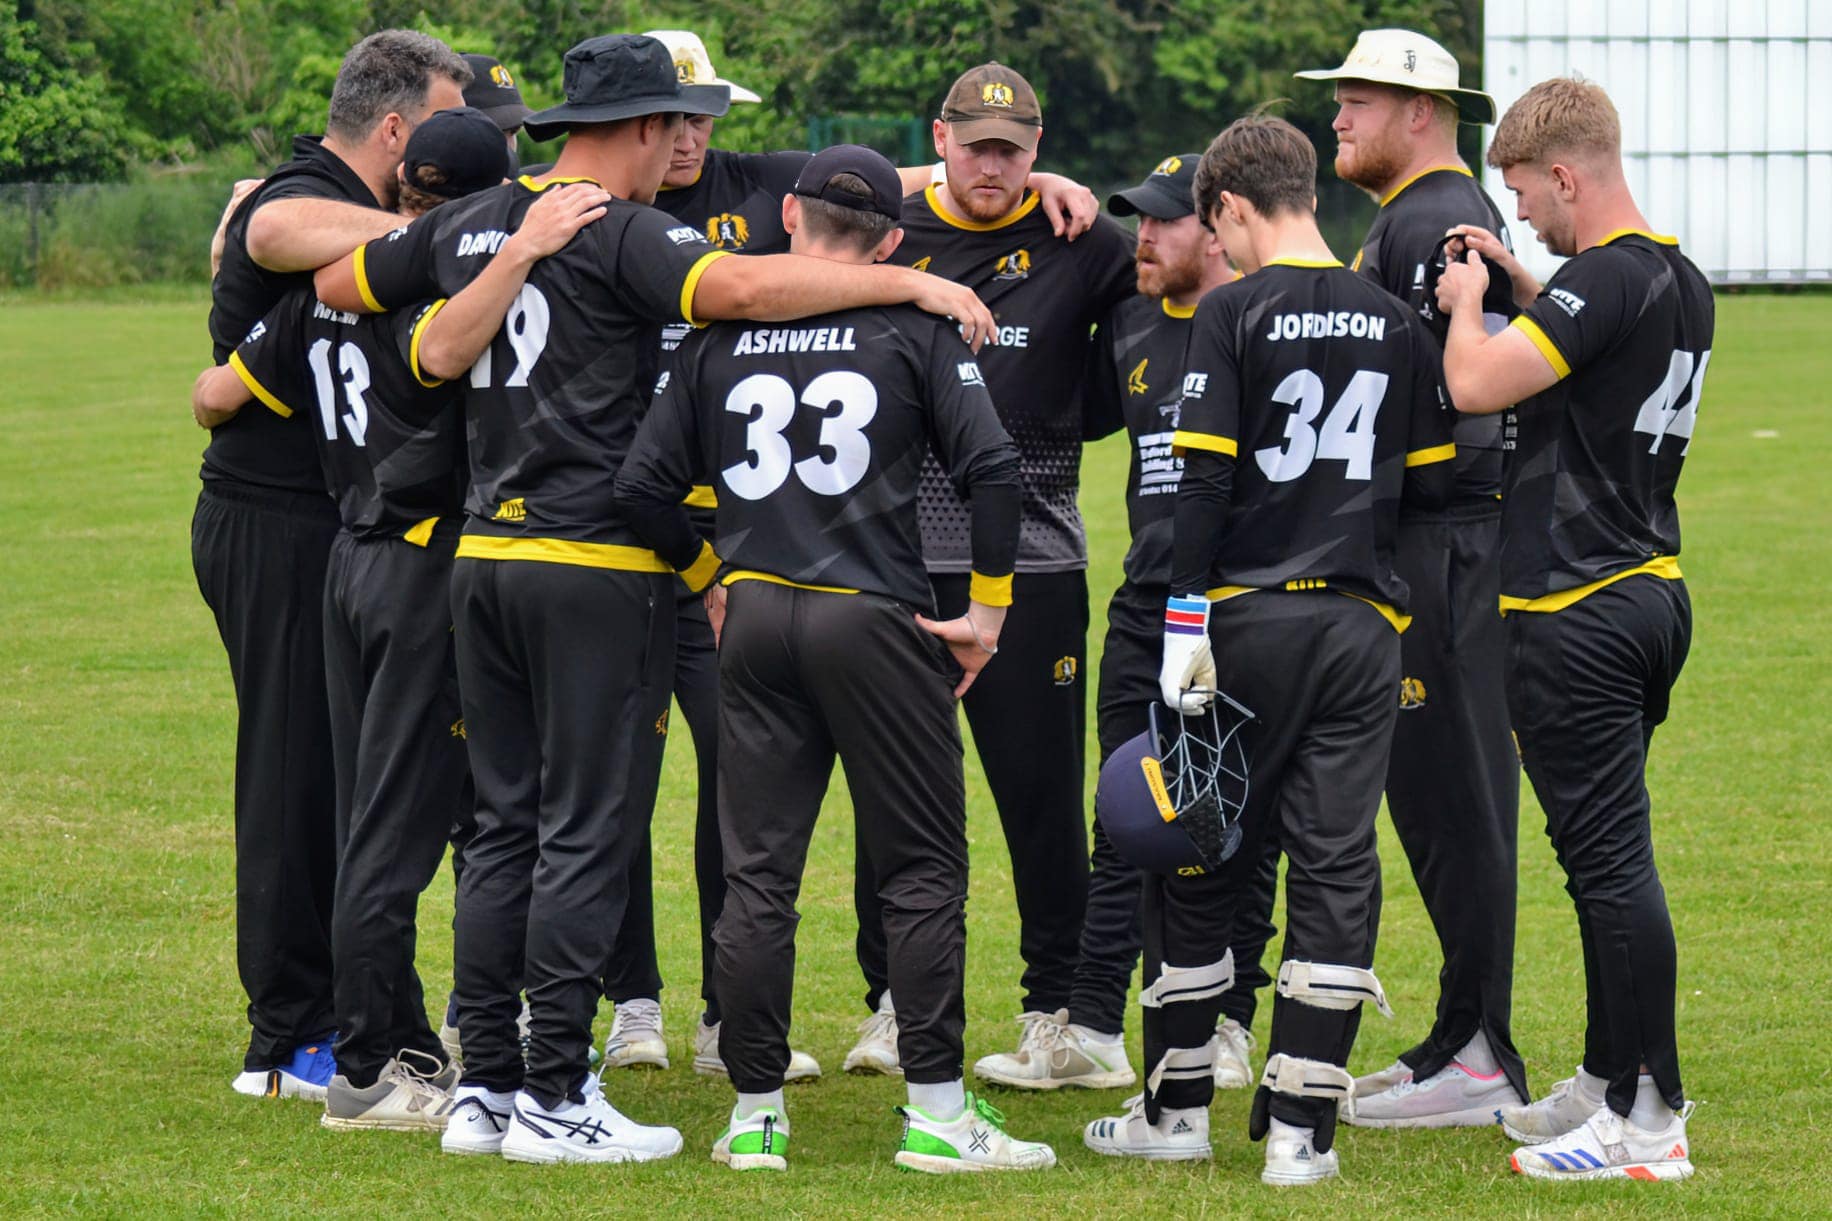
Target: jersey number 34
column 769, row 403
column 1347, row 433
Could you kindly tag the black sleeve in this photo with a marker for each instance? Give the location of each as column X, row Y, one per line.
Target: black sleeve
column 774, row 172
column 419, row 397
column 271, row 360
column 1585, row 309
column 663, row 463
column 659, row 261
column 398, row 269
column 1102, row 400
column 1107, row 265
column 1203, row 496
column 981, row 460
column 1430, row 478
column 1208, row 435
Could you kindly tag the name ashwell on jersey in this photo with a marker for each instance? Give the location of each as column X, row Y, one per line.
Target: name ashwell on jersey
column 1327, row 326
column 767, row 340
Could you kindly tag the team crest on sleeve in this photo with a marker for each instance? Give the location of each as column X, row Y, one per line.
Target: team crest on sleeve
column 997, row 93
column 1013, row 266
column 727, row 230
column 921, row 264
column 1135, row 381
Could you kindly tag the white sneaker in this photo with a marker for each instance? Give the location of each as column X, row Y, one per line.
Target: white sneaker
column 760, row 1141
column 1233, row 1060
column 1456, row 1097
column 706, row 1061
column 1611, row 1146
column 1571, row 1102
column 479, row 1117
column 876, row 1050
column 973, row 1141
column 405, row 1098
column 1178, row 1136
column 1053, row 1053
column 1292, row 1159
column 1394, row 1074
column 636, row 1038
column 589, row 1131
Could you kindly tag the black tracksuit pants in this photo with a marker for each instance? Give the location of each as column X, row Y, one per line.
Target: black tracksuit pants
column 1110, row 937
column 1318, row 671
column 1587, row 686
column 634, row 971
column 563, row 672
column 1453, row 785
column 402, row 780
column 1028, row 711
column 259, row 555
column 805, row 676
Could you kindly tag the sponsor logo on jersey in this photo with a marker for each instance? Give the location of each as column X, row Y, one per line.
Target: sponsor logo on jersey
column 1411, row 694
column 1013, row 266
column 397, row 233
column 1566, row 300
column 673, row 333
column 1195, row 385
column 1160, row 470
column 260, row 329
column 765, row 341
column 680, row 235
column 661, row 383
column 500, row 75
column 997, row 93
column 512, row 510
column 727, row 230
column 1064, row 671
column 1327, row 326
column 921, row 264
column 1169, row 165
column 1135, row 381
column 1014, row 337
column 487, row 242
column 970, row 373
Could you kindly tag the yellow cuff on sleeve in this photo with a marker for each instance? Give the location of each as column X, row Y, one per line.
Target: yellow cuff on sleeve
column 361, row 270
column 990, row 591
column 257, row 389
column 700, row 573
column 1225, row 446
column 693, row 281
column 413, row 345
column 1531, row 329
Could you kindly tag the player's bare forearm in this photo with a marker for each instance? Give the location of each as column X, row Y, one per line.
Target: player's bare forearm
column 782, row 287
column 1488, row 373
column 217, row 395
column 336, row 286
column 302, row 234
column 219, row 239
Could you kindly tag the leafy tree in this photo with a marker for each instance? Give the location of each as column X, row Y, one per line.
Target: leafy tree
column 56, row 125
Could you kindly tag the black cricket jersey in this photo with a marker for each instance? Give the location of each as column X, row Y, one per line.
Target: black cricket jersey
column 1627, row 325
column 1323, row 393
column 553, row 403
column 1136, row 382
column 1413, row 219
column 261, row 447
column 814, row 435
column 736, row 202
column 391, row 442
column 1047, row 296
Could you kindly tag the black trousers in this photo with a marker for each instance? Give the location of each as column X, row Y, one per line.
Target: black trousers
column 1453, row 785
column 563, row 672
column 1587, row 686
column 634, row 971
column 402, row 781
column 1028, row 711
column 1319, row 671
column 804, row 676
column 1110, row 937
column 260, row 557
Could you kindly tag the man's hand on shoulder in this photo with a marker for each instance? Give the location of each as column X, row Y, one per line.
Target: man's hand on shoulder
column 1071, row 207
column 555, row 218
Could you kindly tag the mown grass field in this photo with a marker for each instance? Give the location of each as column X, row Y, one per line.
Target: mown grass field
column 120, row 1015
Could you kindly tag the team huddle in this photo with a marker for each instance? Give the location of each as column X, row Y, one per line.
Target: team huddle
column 504, row 463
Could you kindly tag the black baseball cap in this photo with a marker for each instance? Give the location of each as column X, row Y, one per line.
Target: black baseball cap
column 1168, row 192
column 620, row 76
column 816, row 180
column 492, row 90
column 464, row 146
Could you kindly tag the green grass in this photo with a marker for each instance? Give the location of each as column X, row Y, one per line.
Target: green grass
column 120, row 1015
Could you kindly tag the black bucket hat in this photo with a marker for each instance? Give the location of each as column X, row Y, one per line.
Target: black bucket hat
column 618, row 76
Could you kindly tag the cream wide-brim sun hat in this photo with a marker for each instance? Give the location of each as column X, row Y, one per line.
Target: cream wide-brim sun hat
column 1409, row 60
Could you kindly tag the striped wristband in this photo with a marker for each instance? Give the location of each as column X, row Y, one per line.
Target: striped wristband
column 1186, row 616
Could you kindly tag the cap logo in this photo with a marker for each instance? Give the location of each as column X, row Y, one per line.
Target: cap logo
column 500, row 75
column 997, row 93
column 1412, row 60
column 685, row 70
column 1169, row 165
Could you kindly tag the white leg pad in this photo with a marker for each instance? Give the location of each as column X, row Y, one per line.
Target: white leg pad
column 1308, row 1078
column 1177, row 984
column 1328, row 985
column 1183, row 1064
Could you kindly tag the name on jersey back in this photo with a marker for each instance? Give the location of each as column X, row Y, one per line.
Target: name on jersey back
column 1327, row 326
column 765, row 341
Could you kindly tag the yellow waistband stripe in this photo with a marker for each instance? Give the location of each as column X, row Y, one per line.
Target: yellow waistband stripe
column 561, row 551
column 700, row 573
column 413, row 344
column 1399, row 622
column 421, row 533
column 1225, row 446
column 1544, row 343
column 257, row 389
column 746, row 574
column 1437, row 453
column 1666, row 567
column 990, row 591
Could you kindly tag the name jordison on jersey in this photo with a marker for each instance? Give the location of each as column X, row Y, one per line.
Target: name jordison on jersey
column 765, row 340
column 1324, row 326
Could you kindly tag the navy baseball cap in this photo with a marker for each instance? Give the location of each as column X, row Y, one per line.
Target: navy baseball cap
column 464, row 148
column 1168, row 192
column 816, row 180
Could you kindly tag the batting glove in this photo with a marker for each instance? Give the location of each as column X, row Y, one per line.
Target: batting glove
column 1186, row 680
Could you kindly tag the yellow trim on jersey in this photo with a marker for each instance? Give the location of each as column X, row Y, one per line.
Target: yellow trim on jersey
column 1666, row 567
column 693, row 281
column 1399, row 622
column 1032, row 199
column 746, row 574
column 1395, row 620
column 1226, row 446
column 1356, row 265
column 421, row 533
column 1295, row 262
column 990, row 591
column 701, row 497
column 528, row 181
column 361, row 270
column 1221, row 593
column 257, row 389
column 1543, row 342
column 697, row 175
column 1663, row 238
column 1178, row 311
column 561, row 551
column 1390, row 196
column 1437, row 453
column 700, row 573
column 413, row 345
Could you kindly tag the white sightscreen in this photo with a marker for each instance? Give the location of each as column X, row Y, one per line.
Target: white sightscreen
column 1726, row 119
